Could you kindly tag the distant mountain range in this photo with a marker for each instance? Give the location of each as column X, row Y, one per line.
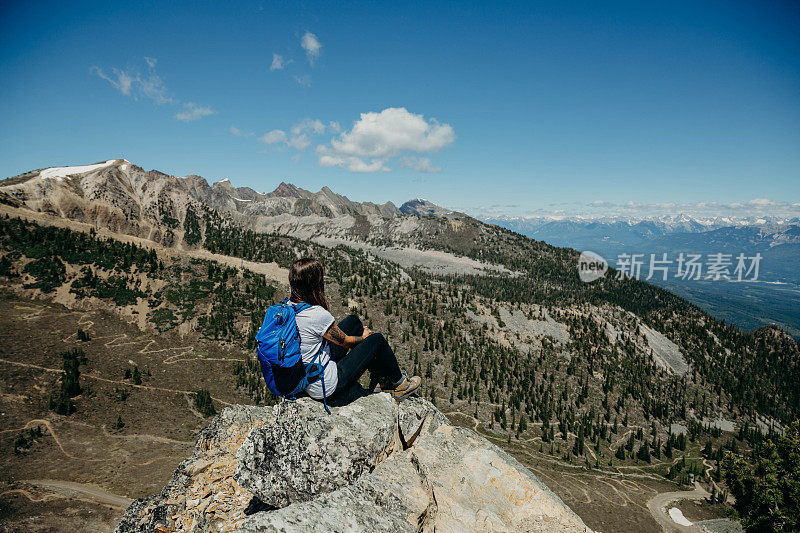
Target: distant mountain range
column 623, row 229
column 134, row 189
column 153, row 191
column 773, row 299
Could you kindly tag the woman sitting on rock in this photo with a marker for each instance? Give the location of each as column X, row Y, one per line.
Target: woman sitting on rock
column 346, row 349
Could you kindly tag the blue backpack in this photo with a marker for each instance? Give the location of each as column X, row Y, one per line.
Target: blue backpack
column 278, row 343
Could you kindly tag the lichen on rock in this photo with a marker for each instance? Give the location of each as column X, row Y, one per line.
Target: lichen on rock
column 373, row 464
column 307, row 452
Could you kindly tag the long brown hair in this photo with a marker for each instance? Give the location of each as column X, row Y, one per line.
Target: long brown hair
column 307, row 281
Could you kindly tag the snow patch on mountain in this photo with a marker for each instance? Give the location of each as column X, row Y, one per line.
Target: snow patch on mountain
column 59, row 173
column 677, row 517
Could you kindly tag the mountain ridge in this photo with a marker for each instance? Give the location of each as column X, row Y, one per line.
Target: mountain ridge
column 154, row 205
column 220, row 194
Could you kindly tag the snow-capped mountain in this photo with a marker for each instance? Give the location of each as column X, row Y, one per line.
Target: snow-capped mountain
column 617, row 233
column 679, row 223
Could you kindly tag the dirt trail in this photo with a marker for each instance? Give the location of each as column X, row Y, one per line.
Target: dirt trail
column 80, row 491
column 657, row 506
column 106, row 433
column 184, row 353
column 117, row 381
column 46, row 423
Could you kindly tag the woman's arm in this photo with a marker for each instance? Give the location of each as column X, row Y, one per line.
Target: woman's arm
column 337, row 336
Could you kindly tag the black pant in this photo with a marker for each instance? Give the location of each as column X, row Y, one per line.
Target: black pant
column 373, row 354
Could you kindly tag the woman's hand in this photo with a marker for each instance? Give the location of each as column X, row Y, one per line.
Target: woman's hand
column 367, row 332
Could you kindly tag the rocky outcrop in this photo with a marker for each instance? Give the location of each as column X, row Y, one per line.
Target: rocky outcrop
column 303, row 455
column 371, row 465
column 202, row 495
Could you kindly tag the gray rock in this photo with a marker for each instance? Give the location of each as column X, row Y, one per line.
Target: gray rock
column 392, row 498
column 479, row 487
column 307, row 452
column 413, row 414
column 372, row 465
column 202, row 492
column 450, row 479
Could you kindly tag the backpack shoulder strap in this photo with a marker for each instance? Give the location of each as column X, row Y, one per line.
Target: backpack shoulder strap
column 302, row 306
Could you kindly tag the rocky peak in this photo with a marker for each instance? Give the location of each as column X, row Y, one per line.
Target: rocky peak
column 286, row 190
column 422, row 207
column 224, row 184
column 372, row 465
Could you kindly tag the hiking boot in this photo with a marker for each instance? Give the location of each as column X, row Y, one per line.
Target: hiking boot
column 374, row 385
column 408, row 387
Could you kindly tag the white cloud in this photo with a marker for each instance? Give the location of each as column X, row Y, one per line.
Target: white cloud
column 304, row 80
column 278, row 62
column 273, row 137
column 131, row 82
column 699, row 209
column 762, row 202
column 298, row 142
column 298, row 136
column 123, row 81
column 239, row 133
column 312, row 46
column 378, row 137
column 419, row 164
column 353, row 164
column 192, row 111
column 153, row 88
column 372, row 143
column 392, row 131
column 308, row 124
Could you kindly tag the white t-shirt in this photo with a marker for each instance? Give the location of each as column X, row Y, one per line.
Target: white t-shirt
column 312, row 323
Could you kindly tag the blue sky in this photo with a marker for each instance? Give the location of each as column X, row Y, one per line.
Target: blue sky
column 509, row 107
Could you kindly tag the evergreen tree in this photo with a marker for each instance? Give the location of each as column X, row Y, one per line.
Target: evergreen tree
column 766, row 492
column 203, row 403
